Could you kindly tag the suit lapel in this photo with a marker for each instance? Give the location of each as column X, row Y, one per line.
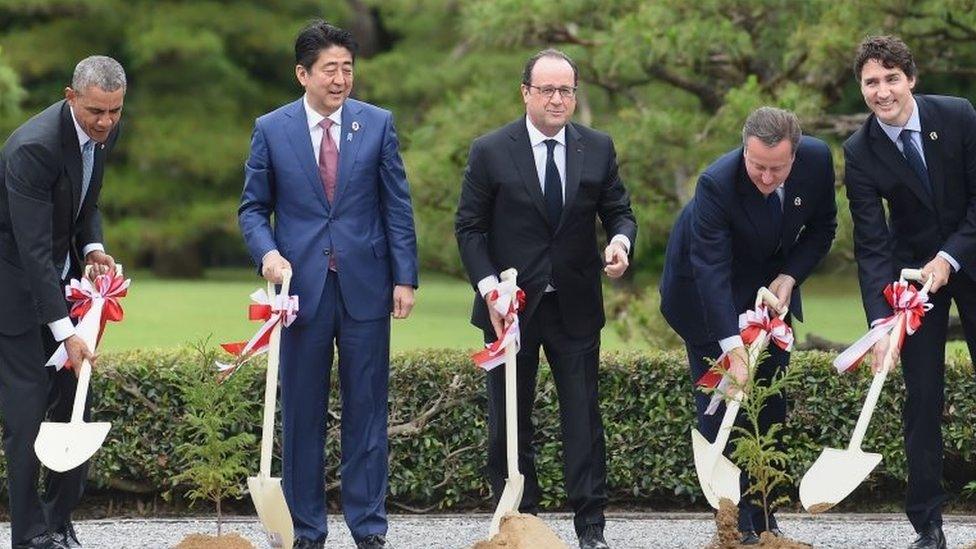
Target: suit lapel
column 574, row 165
column 301, row 142
column 753, row 204
column 931, row 128
column 351, row 137
column 792, row 204
column 521, row 151
column 71, row 150
column 889, row 154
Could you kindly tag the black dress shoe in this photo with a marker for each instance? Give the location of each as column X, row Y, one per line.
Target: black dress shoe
column 43, row 541
column 305, row 543
column 776, row 532
column 592, row 538
column 930, row 538
column 66, row 536
column 749, row 538
column 373, row 541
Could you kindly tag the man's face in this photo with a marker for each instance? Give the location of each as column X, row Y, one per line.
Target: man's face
column 887, row 92
column 549, row 76
column 768, row 167
column 329, row 81
column 96, row 110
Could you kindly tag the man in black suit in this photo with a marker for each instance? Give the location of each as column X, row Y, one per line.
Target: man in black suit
column 763, row 214
column 918, row 154
column 50, row 177
column 531, row 194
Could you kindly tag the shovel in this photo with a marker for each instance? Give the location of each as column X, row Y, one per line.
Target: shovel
column 64, row 446
column 836, row 473
column 266, row 493
column 512, row 493
column 717, row 475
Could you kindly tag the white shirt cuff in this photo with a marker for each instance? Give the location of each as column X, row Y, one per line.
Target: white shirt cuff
column 623, row 239
column 952, row 261
column 730, row 343
column 91, row 248
column 487, row 284
column 61, row 329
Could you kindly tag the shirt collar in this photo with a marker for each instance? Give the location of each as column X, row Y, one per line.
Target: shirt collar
column 83, row 137
column 314, row 117
column 914, row 123
column 536, row 136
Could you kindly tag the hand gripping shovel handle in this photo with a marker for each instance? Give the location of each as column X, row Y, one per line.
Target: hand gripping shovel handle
column 757, row 347
column 894, row 339
column 271, row 381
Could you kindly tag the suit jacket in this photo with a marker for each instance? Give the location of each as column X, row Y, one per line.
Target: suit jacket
column 369, row 227
column 721, row 249
column 501, row 221
column 40, row 191
column 920, row 222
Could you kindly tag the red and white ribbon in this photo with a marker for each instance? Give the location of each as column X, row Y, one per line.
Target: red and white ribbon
column 752, row 323
column 906, row 301
column 93, row 303
column 283, row 310
column 507, row 299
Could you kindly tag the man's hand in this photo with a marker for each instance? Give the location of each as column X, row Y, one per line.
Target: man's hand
column 739, row 369
column 782, row 287
column 940, row 269
column 615, row 256
column 272, row 267
column 498, row 320
column 78, row 352
column 101, row 263
column 402, row 300
column 878, row 352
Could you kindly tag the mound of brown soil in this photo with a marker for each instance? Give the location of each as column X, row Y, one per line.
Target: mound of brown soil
column 727, row 532
column 518, row 531
column 226, row 541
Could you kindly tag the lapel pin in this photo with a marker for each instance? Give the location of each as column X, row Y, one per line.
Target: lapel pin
column 349, row 136
column 933, row 136
column 355, row 126
column 797, row 201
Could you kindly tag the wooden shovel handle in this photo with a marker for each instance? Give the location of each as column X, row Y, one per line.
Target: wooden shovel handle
column 271, row 381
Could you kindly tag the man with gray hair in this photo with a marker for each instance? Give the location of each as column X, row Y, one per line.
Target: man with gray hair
column 50, row 228
column 763, row 215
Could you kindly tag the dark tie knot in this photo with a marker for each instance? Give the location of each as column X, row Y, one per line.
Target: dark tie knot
column 551, row 144
column 906, row 137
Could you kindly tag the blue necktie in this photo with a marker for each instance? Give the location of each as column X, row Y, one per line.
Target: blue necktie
column 914, row 158
column 774, row 209
column 87, row 163
column 553, row 186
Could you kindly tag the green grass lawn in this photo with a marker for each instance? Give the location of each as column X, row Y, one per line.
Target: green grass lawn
column 168, row 313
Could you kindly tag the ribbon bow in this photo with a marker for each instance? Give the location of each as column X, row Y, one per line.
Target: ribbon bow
column 96, row 301
column 752, row 323
column 905, row 301
column 507, row 299
column 282, row 310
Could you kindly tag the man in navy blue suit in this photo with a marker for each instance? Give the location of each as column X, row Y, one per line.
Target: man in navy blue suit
column 763, row 214
column 327, row 169
column 917, row 153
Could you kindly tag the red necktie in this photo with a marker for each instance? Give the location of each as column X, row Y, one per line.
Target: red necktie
column 328, row 160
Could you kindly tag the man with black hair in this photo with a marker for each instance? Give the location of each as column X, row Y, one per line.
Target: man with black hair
column 918, row 154
column 326, row 196
column 50, row 179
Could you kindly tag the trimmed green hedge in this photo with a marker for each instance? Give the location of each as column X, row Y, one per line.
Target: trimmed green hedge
column 438, row 431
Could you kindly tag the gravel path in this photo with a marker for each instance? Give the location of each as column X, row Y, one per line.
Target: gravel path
column 624, row 531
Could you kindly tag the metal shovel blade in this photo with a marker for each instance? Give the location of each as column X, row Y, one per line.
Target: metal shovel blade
column 834, row 475
column 269, row 501
column 717, row 476
column 64, row 446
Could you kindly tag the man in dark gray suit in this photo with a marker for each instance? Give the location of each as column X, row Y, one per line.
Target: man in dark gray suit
column 50, row 177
